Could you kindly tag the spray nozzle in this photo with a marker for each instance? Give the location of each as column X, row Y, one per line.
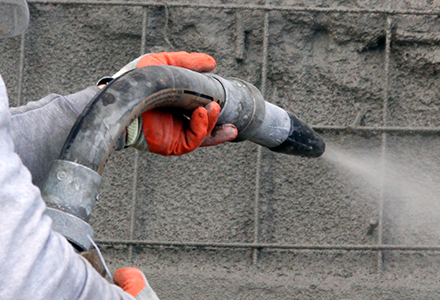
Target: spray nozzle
column 265, row 123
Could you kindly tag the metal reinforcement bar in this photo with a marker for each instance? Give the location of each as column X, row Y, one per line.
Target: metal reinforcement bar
column 385, row 129
column 262, row 246
column 248, row 7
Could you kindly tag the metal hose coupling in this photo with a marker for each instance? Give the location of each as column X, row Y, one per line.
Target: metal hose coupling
column 70, row 192
column 264, row 123
column 74, row 179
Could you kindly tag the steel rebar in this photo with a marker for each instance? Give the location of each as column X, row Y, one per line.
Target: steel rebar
column 248, row 7
column 262, row 246
column 378, row 129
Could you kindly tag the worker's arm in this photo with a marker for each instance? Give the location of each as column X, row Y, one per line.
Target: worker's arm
column 35, row 262
column 40, row 128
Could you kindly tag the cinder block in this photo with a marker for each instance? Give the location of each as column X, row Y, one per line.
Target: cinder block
column 313, row 264
column 113, row 212
column 366, row 4
column 414, row 68
column 327, row 68
column 204, row 196
column 413, row 266
column 116, row 256
column 214, row 31
column 69, row 47
column 422, row 5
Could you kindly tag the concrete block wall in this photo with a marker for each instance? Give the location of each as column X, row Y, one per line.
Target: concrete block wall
column 190, row 222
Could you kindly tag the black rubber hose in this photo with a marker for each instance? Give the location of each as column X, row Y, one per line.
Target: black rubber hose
column 74, row 179
column 95, row 135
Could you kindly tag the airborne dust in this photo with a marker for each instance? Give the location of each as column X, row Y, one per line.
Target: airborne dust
column 406, row 188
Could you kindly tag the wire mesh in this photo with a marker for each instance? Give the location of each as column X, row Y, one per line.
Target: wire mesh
column 384, row 130
column 261, row 246
column 249, row 7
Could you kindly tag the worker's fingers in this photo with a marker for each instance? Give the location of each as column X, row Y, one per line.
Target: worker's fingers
column 192, row 137
column 220, row 134
column 131, row 280
column 195, row 61
column 213, row 110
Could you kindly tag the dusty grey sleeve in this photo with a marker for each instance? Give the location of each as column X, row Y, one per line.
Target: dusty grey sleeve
column 40, row 128
column 36, row 262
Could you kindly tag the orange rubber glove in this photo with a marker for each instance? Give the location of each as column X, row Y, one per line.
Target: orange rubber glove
column 199, row 62
column 133, row 281
column 166, row 130
column 171, row 133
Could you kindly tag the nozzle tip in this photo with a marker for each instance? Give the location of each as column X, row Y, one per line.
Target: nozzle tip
column 302, row 140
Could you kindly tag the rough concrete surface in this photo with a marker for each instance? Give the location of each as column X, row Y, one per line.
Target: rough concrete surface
column 330, row 68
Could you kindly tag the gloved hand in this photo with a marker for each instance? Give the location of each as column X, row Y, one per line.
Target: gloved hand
column 167, row 131
column 133, row 281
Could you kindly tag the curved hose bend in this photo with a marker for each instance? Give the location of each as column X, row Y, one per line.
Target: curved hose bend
column 73, row 182
column 96, row 133
column 74, row 179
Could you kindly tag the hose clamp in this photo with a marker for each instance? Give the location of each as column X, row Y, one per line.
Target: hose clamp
column 72, row 228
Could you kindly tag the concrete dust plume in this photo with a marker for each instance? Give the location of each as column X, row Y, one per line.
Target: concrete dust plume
column 411, row 194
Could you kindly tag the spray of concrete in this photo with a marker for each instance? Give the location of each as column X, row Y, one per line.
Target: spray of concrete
column 410, row 194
